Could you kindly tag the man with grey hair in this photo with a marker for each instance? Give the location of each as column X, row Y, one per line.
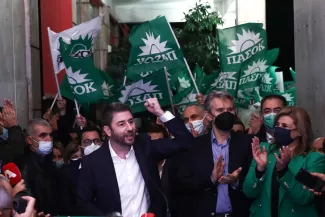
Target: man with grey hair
column 38, row 170
column 6, row 196
column 194, row 119
column 6, row 201
column 215, row 189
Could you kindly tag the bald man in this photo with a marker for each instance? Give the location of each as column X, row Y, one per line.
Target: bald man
column 318, row 145
column 194, row 119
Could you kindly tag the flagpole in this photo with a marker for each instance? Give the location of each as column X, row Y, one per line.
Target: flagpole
column 57, row 84
column 53, row 103
column 169, row 90
column 187, row 66
column 77, row 109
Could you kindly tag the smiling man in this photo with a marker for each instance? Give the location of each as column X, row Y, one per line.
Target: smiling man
column 122, row 175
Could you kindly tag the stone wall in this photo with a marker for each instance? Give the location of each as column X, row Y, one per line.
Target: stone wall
column 84, row 11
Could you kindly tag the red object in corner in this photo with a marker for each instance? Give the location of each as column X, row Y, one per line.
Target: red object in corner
column 56, row 14
column 148, row 215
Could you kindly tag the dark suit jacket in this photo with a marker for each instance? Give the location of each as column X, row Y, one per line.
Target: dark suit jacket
column 68, row 176
column 97, row 190
column 193, row 192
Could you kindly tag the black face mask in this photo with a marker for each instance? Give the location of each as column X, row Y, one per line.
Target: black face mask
column 225, row 121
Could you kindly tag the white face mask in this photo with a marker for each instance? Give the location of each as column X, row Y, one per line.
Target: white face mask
column 44, row 147
column 197, row 126
column 91, row 148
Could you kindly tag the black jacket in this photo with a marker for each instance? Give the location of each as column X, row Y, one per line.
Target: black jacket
column 69, row 174
column 40, row 175
column 193, row 192
column 12, row 148
column 98, row 191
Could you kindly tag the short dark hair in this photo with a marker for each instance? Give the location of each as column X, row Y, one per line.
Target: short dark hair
column 90, row 129
column 240, row 123
column 58, row 145
column 111, row 109
column 274, row 96
column 156, row 128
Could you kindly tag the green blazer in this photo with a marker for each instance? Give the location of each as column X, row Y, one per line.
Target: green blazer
column 294, row 201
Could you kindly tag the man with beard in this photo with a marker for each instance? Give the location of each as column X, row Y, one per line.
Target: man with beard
column 207, row 180
column 122, row 175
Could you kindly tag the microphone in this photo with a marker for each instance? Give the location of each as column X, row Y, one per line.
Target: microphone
column 148, row 215
column 12, row 173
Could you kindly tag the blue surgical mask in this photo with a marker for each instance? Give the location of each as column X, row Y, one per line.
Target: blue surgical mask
column 197, row 126
column 59, row 163
column 44, row 147
column 4, row 135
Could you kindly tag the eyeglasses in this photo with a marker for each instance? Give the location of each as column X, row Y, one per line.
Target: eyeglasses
column 89, row 141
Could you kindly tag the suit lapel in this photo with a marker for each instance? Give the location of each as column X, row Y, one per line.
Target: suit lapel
column 205, row 145
column 232, row 153
column 295, row 165
column 141, row 158
column 111, row 175
column 269, row 172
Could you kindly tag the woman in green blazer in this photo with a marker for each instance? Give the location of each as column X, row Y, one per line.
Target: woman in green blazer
column 271, row 178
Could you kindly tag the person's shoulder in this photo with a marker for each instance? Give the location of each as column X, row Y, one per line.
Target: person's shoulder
column 315, row 156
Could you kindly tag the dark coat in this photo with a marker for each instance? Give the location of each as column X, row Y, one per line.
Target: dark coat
column 40, row 175
column 12, row 148
column 98, row 191
column 68, row 177
column 193, row 193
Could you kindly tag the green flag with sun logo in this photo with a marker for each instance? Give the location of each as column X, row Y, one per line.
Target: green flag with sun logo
column 252, row 72
column 136, row 93
column 239, row 43
column 225, row 81
column 153, row 47
column 83, row 81
column 290, row 96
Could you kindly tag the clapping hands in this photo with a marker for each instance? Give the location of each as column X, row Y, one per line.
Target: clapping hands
column 8, row 116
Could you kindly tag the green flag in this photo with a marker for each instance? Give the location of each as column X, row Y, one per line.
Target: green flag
column 198, row 73
column 185, row 98
column 153, row 47
column 289, row 84
column 290, row 96
column 84, row 79
column 246, row 102
column 225, row 81
column 268, row 82
column 253, row 70
column 135, row 94
column 239, row 43
column 180, row 79
column 109, row 86
column 204, row 84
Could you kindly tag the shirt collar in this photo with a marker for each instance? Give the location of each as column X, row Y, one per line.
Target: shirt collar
column 214, row 139
column 113, row 153
column 269, row 138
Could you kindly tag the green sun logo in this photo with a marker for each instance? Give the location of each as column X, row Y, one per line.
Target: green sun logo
column 81, row 48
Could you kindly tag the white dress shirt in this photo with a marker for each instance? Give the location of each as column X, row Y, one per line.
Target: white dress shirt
column 135, row 199
column 269, row 138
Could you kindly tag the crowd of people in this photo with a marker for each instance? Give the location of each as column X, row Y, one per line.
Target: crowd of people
column 201, row 163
